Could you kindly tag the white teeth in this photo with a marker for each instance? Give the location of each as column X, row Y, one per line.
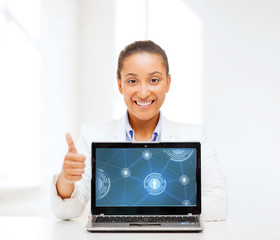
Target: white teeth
column 144, row 103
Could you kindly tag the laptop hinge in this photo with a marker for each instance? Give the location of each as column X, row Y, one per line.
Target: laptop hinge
column 101, row 215
column 189, row 214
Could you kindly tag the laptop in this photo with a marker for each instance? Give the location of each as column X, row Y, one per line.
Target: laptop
column 145, row 186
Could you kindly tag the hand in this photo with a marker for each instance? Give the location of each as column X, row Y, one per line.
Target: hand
column 73, row 165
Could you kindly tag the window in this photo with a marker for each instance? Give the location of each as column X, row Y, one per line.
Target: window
column 19, row 93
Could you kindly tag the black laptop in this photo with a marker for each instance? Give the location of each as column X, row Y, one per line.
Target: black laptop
column 145, row 186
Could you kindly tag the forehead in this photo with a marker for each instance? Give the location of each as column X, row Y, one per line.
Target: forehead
column 143, row 62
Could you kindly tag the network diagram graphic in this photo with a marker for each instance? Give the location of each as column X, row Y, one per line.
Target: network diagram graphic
column 149, row 177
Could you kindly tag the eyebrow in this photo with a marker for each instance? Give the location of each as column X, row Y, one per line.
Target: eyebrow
column 150, row 74
column 131, row 74
column 155, row 72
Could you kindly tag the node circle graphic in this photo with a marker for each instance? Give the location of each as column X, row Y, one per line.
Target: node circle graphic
column 103, row 184
column 184, row 180
column 125, row 172
column 186, row 203
column 179, row 155
column 146, row 154
column 154, row 183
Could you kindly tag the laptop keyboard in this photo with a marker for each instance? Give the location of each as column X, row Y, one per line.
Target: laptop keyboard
column 146, row 219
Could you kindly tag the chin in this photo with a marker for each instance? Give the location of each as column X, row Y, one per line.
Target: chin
column 144, row 117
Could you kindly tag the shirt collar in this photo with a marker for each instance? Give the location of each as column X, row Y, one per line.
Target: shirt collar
column 130, row 131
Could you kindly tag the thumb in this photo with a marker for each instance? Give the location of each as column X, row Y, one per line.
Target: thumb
column 70, row 142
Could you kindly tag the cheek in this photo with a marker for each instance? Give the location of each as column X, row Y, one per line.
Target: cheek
column 127, row 93
column 160, row 91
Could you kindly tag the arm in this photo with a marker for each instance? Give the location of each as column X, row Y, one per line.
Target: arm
column 214, row 194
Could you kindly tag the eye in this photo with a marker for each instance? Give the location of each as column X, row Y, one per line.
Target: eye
column 154, row 80
column 131, row 81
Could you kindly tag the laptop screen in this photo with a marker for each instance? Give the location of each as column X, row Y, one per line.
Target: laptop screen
column 146, row 175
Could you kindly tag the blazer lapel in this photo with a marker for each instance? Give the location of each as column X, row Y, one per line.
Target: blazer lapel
column 167, row 133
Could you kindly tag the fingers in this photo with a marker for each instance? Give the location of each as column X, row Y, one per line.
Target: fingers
column 74, row 163
column 75, row 157
column 73, row 167
column 70, row 175
column 74, row 171
column 70, row 142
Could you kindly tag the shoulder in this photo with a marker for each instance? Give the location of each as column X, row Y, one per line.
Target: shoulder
column 182, row 131
column 100, row 131
column 98, row 126
column 183, row 126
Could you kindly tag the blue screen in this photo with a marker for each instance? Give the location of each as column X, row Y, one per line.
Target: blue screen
column 145, row 177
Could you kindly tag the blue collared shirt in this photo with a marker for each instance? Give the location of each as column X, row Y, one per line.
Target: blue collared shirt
column 130, row 131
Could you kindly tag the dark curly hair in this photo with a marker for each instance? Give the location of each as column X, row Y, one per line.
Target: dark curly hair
column 140, row 47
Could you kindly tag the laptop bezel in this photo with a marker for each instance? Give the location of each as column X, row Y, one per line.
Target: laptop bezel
column 162, row 210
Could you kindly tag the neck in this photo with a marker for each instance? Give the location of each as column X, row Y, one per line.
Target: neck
column 143, row 129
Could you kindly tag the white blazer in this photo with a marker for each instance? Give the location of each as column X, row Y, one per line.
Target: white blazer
column 214, row 195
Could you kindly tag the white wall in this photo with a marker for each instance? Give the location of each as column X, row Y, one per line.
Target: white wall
column 96, row 61
column 241, row 82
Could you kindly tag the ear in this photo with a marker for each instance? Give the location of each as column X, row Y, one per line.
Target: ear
column 120, row 86
column 168, row 81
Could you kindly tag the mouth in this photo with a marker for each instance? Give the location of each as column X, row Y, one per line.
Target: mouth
column 144, row 103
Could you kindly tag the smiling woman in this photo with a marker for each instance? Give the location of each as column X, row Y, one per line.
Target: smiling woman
column 143, row 80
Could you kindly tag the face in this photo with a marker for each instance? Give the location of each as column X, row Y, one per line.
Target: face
column 144, row 83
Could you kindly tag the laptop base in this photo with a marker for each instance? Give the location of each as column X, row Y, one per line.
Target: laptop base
column 92, row 226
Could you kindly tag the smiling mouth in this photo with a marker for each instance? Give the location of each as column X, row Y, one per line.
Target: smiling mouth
column 144, row 104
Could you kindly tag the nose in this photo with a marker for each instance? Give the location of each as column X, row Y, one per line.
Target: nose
column 144, row 90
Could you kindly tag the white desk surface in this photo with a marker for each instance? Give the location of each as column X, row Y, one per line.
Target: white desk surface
column 50, row 228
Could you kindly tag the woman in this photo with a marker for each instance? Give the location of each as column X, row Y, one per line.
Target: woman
column 143, row 80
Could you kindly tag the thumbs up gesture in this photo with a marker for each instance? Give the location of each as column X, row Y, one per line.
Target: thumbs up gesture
column 72, row 169
column 73, row 165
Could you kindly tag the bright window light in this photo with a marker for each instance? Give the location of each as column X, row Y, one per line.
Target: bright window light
column 19, row 94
